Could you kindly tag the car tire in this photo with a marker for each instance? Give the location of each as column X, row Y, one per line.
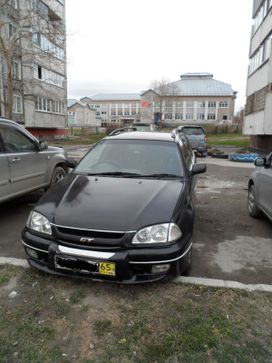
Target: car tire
column 252, row 207
column 58, row 174
column 188, row 268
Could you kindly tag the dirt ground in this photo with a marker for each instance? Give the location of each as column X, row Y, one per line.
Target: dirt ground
column 228, row 244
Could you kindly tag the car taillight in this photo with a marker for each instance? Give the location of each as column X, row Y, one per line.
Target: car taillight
column 206, row 138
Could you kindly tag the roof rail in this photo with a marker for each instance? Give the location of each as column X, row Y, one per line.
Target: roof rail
column 122, row 129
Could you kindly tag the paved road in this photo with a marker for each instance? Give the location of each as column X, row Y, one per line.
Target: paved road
column 228, row 244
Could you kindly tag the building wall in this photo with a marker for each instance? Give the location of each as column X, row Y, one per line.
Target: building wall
column 115, row 111
column 43, row 92
column 258, row 110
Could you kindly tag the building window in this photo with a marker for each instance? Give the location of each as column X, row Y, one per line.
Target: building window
column 17, row 74
column 179, row 104
column 190, row 104
column 126, row 113
column 103, row 113
column 47, row 105
column 17, row 104
column 46, row 45
column 223, row 104
column 113, row 113
column 201, row 104
column 212, row 104
column 211, row 116
column 189, row 116
column 178, row 116
column 168, row 116
column 120, row 113
column 97, row 113
column 97, row 106
column 225, row 117
column 48, row 76
column 201, row 116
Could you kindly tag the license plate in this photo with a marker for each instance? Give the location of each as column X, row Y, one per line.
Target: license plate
column 107, row 268
column 84, row 266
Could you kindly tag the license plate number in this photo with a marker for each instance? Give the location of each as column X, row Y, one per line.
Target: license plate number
column 107, row 268
column 84, row 266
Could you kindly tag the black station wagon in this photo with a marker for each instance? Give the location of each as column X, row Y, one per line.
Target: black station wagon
column 124, row 214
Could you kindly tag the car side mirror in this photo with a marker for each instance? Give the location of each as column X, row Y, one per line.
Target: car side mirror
column 260, row 162
column 71, row 163
column 43, row 145
column 199, row 169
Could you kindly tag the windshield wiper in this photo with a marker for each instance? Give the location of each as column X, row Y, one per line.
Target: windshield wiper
column 163, row 175
column 115, row 173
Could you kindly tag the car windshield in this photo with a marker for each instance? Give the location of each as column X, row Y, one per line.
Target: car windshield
column 192, row 131
column 131, row 158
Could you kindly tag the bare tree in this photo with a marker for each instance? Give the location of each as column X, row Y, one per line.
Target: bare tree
column 164, row 89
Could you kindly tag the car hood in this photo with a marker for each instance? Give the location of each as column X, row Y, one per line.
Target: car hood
column 110, row 203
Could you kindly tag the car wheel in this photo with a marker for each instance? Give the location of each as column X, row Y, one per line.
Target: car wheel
column 188, row 268
column 58, row 174
column 252, row 207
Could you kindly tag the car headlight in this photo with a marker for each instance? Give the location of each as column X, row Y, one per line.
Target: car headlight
column 159, row 233
column 39, row 223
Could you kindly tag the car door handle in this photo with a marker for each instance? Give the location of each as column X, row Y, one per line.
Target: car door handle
column 14, row 160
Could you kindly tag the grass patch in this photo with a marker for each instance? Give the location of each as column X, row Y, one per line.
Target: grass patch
column 235, row 140
column 159, row 322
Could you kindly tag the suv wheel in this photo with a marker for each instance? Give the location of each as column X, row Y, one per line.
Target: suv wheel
column 58, row 174
column 252, row 207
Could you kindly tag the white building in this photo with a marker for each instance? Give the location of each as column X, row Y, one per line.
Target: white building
column 258, row 111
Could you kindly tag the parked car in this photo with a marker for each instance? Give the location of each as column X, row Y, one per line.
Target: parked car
column 26, row 164
column 260, row 188
column 141, row 126
column 125, row 213
column 197, row 137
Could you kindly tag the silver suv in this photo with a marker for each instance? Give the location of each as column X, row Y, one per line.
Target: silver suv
column 197, row 138
column 26, row 164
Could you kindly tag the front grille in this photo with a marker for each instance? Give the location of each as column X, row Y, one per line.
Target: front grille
column 90, row 234
column 102, row 239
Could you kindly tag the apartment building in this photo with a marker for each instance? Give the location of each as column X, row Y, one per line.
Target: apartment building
column 33, row 87
column 258, row 110
column 194, row 98
column 121, row 108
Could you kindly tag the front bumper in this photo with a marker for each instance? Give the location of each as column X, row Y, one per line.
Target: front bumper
column 131, row 265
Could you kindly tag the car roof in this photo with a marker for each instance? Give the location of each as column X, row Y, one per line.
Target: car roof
column 137, row 135
column 7, row 121
column 193, row 126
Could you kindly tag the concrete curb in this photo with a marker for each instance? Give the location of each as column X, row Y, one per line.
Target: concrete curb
column 14, row 262
column 222, row 283
column 179, row 280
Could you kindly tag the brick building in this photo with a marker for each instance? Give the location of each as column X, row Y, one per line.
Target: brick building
column 258, row 110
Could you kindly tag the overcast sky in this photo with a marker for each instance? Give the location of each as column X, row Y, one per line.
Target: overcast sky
column 124, row 45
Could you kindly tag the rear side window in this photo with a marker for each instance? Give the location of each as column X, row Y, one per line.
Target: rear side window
column 192, row 131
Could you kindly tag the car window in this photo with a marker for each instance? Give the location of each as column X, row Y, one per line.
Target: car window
column 192, row 131
column 133, row 156
column 16, row 141
column 187, row 153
